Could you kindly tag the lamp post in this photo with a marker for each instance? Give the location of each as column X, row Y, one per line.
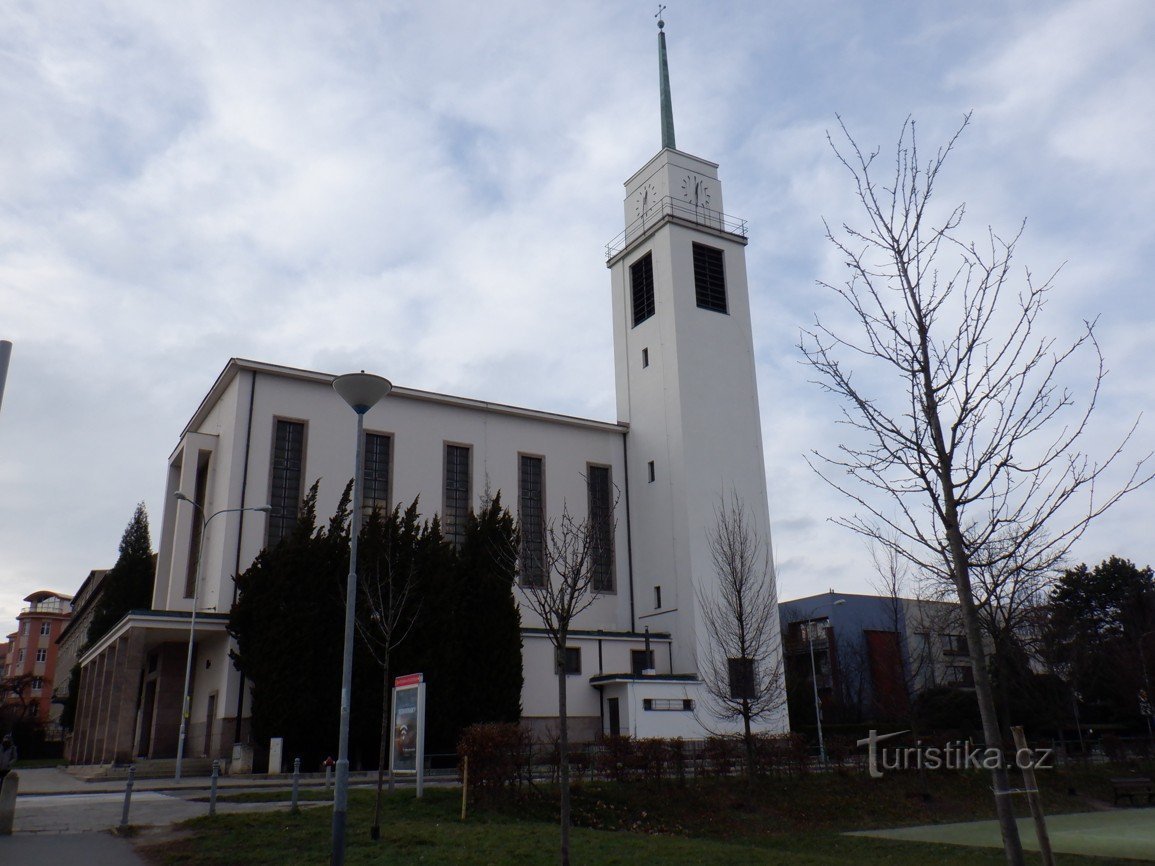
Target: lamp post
column 184, row 709
column 814, row 680
column 362, row 391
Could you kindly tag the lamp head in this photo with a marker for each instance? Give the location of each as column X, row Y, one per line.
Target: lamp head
column 361, row 391
column 181, row 497
column 264, row 509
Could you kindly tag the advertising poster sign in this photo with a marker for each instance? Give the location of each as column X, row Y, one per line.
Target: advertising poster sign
column 408, row 753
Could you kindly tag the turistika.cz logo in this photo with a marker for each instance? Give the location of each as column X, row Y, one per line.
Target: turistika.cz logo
column 952, row 756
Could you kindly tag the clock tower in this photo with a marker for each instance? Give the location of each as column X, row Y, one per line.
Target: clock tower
column 686, row 384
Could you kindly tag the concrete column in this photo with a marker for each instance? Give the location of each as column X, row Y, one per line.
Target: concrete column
column 125, row 695
column 75, row 753
column 100, row 709
column 170, row 681
column 107, row 665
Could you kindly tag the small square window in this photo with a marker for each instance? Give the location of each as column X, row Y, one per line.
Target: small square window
column 645, row 357
column 641, row 660
column 742, row 678
column 955, row 645
column 650, row 470
column 46, row 627
column 572, row 660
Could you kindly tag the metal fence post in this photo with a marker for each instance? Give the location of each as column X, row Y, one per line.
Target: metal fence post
column 296, row 783
column 127, row 797
column 213, row 788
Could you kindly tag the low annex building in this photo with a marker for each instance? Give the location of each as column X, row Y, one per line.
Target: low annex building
column 687, row 436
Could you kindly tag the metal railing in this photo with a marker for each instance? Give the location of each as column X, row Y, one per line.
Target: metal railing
column 669, row 206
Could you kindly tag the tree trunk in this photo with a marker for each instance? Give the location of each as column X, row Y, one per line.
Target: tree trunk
column 1012, row 845
column 563, row 757
column 382, row 756
column 749, row 738
column 960, row 563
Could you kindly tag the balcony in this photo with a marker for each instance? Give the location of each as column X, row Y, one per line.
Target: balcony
column 675, row 209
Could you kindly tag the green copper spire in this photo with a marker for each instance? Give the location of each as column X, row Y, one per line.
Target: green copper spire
column 664, row 85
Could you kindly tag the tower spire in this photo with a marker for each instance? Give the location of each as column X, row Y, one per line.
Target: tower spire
column 664, row 84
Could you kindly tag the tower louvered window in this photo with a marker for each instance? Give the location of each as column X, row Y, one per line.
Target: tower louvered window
column 642, row 288
column 709, row 278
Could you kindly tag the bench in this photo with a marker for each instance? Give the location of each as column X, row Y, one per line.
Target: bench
column 1131, row 786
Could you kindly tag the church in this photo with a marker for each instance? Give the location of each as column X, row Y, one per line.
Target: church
column 686, row 439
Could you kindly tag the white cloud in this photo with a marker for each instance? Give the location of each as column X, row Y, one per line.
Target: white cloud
column 426, row 189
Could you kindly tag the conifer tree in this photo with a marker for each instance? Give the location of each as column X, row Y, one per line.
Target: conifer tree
column 128, row 584
column 488, row 632
column 287, row 622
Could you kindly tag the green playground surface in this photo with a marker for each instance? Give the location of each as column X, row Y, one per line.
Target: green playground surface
column 1125, row 833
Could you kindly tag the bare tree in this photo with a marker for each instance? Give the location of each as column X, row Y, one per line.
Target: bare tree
column 388, row 613
column 962, row 431
column 740, row 660
column 568, row 561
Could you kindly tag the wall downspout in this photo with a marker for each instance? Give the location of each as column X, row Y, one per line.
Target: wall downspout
column 629, row 533
column 240, row 536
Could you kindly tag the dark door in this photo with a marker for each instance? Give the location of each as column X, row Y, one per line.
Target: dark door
column 210, row 717
column 615, row 717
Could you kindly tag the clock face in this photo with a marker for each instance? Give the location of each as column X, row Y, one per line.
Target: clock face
column 645, row 198
column 696, row 190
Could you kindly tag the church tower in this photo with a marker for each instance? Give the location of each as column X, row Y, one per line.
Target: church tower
column 684, row 361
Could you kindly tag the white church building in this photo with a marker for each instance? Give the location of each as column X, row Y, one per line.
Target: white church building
column 687, row 437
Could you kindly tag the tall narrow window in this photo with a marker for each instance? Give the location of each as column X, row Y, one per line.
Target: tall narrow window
column 642, row 288
column 201, row 487
column 709, row 278
column 601, row 515
column 531, row 520
column 378, row 450
column 285, row 491
column 456, row 493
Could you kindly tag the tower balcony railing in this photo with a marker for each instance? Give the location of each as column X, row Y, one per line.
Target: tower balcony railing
column 669, row 206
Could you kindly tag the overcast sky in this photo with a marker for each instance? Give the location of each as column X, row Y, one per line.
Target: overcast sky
column 424, row 190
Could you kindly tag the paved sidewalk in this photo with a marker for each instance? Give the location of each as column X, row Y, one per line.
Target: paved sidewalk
column 89, row 849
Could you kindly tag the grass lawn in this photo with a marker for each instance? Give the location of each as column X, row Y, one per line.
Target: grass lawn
column 706, row 822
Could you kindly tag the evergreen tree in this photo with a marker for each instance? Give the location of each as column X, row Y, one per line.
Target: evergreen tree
column 1100, row 636
column 488, row 632
column 288, row 622
column 128, row 584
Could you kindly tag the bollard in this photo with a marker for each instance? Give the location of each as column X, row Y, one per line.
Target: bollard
column 296, row 783
column 127, row 798
column 213, row 788
column 328, row 775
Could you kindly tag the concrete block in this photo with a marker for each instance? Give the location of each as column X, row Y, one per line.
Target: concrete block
column 242, row 761
column 8, row 802
column 276, row 755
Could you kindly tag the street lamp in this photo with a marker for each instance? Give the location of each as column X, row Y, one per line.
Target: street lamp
column 814, row 680
column 184, row 710
column 361, row 391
